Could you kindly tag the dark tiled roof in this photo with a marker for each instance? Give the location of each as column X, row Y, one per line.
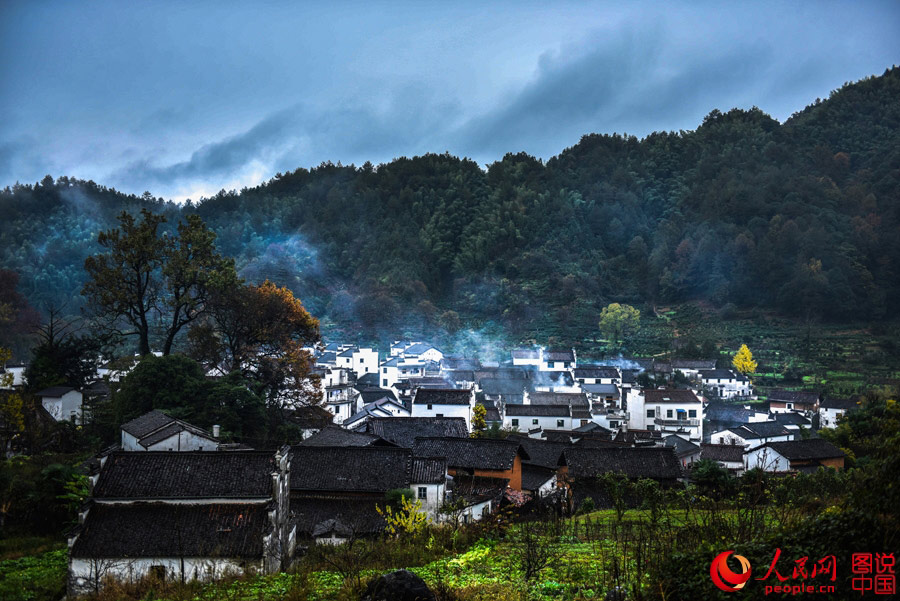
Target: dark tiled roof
column 500, row 386
column 147, row 423
column 343, row 516
column 799, row 450
column 428, row 470
column 842, row 404
column 793, row 396
column 463, row 363
column 327, row 358
column 559, row 355
column 764, row 429
column 164, row 433
column 349, row 469
column 731, row 453
column 629, row 376
column 682, row 447
column 600, row 371
column 505, row 373
column 461, row 375
column 669, row 395
column 191, row 475
column 594, row 427
column 717, row 374
column 404, row 430
column 728, row 412
column 697, row 364
column 311, row 417
column 553, row 378
column 54, row 391
column 369, row 380
column 471, row 453
column 442, row 396
column 602, row 389
column 370, row 395
column 649, row 462
column 538, row 410
column 576, row 399
column 792, row 419
column 136, row 530
column 336, row 436
column 418, row 348
column 601, row 442
column 541, row 452
column 535, row 476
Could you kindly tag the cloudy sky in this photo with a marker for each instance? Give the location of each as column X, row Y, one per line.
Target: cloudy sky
column 186, row 98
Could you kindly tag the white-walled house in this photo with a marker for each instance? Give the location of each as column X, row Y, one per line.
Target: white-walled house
column 428, row 481
column 558, row 359
column 801, row 401
column 526, row 357
column 182, row 516
column 753, row 434
column 422, row 351
column 528, row 417
column 794, row 455
column 444, row 402
column 156, row 431
column 724, row 383
column 671, row 411
column 598, row 374
column 831, row 410
column 729, row 456
column 17, row 370
column 63, row 403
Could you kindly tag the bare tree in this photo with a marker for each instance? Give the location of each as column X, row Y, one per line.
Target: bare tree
column 535, row 548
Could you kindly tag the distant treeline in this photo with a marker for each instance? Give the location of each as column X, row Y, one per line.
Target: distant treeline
column 801, row 218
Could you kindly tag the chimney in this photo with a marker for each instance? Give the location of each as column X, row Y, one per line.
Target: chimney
column 216, row 431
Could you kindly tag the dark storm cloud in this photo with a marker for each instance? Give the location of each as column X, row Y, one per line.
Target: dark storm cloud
column 186, row 98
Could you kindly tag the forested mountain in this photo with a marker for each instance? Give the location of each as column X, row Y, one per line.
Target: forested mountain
column 801, row 217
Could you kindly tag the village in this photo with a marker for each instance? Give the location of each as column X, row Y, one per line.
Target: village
column 464, row 438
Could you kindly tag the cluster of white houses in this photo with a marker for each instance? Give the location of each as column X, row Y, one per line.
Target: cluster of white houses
column 172, row 501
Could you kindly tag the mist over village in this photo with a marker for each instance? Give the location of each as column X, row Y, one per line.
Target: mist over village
column 413, row 302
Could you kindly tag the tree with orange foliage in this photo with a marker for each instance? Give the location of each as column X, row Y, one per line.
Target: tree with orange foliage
column 261, row 331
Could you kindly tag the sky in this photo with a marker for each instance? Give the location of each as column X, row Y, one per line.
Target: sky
column 183, row 99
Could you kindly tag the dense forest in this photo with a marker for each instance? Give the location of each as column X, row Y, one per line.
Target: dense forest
column 800, row 218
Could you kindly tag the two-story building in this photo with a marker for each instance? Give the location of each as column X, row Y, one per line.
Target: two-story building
column 444, row 402
column 670, row 411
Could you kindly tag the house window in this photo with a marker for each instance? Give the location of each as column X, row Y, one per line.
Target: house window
column 439, row 415
column 668, row 413
column 692, row 413
column 423, row 493
column 651, row 413
column 613, row 424
column 790, row 405
column 534, row 422
column 651, row 427
column 384, row 382
column 384, row 370
column 429, row 407
column 559, row 423
column 515, row 422
column 581, row 380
